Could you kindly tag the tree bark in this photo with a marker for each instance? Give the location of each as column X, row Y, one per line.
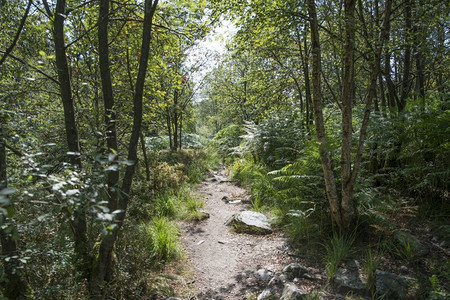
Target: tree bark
column 305, row 65
column 144, row 153
column 102, row 266
column 330, row 184
column 175, row 119
column 384, row 35
column 406, row 59
column 347, row 208
column 79, row 223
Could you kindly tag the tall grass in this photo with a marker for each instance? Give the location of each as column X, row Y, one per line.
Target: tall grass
column 337, row 250
column 161, row 239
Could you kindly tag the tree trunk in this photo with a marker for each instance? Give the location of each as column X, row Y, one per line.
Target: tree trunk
column 384, row 35
column 79, row 223
column 347, row 208
column 175, row 120
column 169, row 128
column 406, row 59
column 144, row 153
column 102, row 266
column 330, row 184
column 181, row 130
column 305, row 64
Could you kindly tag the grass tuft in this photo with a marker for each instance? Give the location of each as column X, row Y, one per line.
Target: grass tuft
column 161, row 239
column 337, row 250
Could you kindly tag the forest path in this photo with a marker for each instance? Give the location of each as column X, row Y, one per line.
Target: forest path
column 224, row 263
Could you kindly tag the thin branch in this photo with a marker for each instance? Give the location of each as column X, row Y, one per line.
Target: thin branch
column 30, row 66
column 19, row 31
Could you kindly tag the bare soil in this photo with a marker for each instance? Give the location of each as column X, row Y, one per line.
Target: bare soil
column 224, row 262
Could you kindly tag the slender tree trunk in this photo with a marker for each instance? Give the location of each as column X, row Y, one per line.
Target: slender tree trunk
column 181, row 130
column 101, row 270
column 79, row 223
column 347, row 207
column 144, row 153
column 141, row 136
column 169, row 128
column 304, row 59
column 330, row 184
column 108, row 100
column 102, row 267
column 406, row 59
column 175, row 120
column 18, row 33
column 384, row 35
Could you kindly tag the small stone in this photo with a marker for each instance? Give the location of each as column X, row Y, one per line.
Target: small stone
column 226, row 199
column 266, row 294
column 235, row 202
column 263, row 274
column 291, row 292
column 295, row 270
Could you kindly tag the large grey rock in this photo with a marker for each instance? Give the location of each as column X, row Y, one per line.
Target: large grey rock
column 291, row 292
column 250, row 222
column 405, row 238
column 295, row 270
column 393, row 286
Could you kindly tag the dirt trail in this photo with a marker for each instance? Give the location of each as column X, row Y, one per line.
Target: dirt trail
column 225, row 262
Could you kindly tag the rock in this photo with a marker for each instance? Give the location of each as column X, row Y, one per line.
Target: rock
column 273, row 289
column 263, row 275
column 348, row 280
column 392, row 286
column 405, row 238
column 202, row 215
column 295, row 270
column 173, row 298
column 266, row 294
column 226, row 199
column 250, row 222
column 291, row 292
column 235, row 202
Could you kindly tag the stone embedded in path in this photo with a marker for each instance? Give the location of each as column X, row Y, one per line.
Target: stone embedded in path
column 250, row 222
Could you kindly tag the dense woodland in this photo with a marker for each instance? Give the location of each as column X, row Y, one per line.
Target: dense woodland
column 334, row 114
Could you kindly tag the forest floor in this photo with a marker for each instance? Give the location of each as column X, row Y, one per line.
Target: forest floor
column 224, row 262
